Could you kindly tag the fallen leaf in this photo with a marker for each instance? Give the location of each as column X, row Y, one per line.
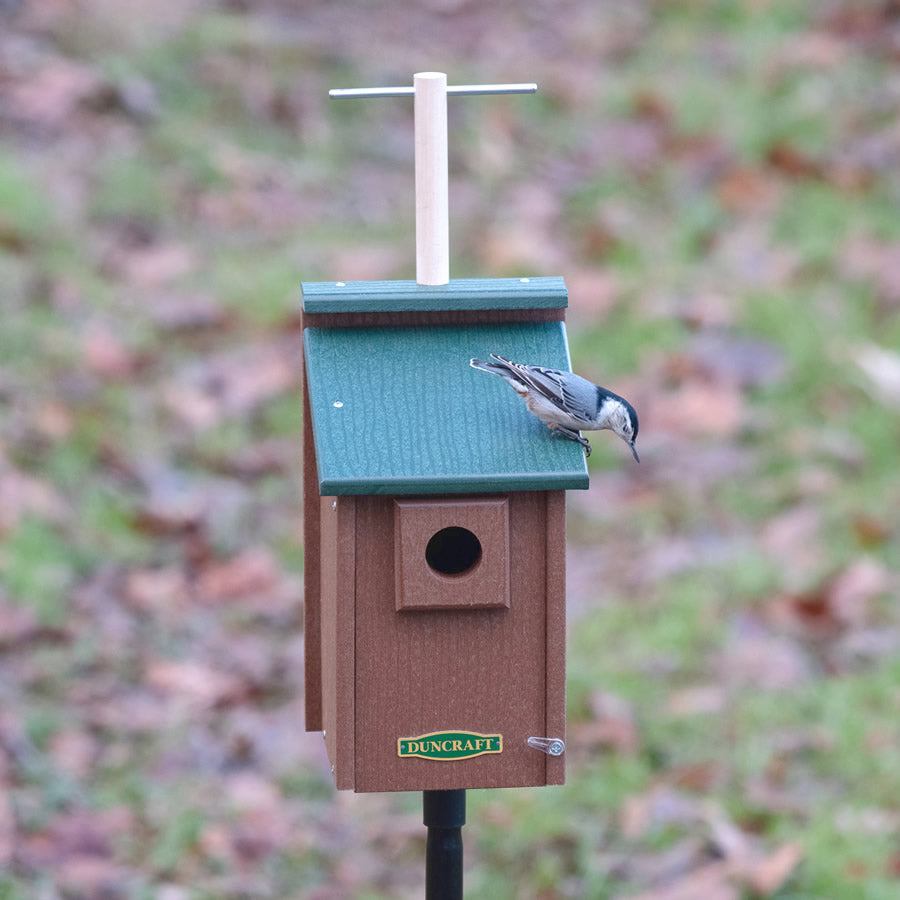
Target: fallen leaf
column 747, row 255
column 74, row 751
column 728, row 839
column 852, row 590
column 263, row 824
column 857, row 870
column 18, row 625
column 839, row 445
column 79, row 834
column 174, row 505
column 833, row 605
column 198, row 685
column 176, row 313
column 659, row 806
column 748, row 362
column 88, row 875
column 256, row 459
column 598, row 240
column 701, row 699
column 612, row 725
column 592, row 292
column 233, row 385
column 636, row 144
column 712, row 881
column 791, row 161
column 802, row 740
column 860, row 21
column 777, row 799
column 793, row 539
column 48, row 97
column 754, row 656
column 157, row 590
column 808, row 615
column 696, row 407
column 748, row 190
column 869, row 820
column 53, row 420
column 892, row 868
column 513, row 247
column 768, row 875
column 882, row 369
column 25, row 495
column 666, row 866
column 651, row 105
column 865, row 646
column 215, row 842
column 875, row 261
column 255, row 571
column 815, row 50
column 135, row 96
column 194, row 408
column 257, row 666
column 153, row 265
column 370, row 262
column 871, row 531
column 106, row 355
column 699, row 776
column 128, row 712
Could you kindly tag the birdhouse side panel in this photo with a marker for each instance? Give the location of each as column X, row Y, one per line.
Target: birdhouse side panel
column 312, row 633
column 338, row 602
column 555, row 537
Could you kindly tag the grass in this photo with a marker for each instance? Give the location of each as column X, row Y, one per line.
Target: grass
column 38, row 566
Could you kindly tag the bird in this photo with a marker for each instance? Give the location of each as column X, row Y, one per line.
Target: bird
column 566, row 403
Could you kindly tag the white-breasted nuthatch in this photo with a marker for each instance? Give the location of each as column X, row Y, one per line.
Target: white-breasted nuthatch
column 565, row 402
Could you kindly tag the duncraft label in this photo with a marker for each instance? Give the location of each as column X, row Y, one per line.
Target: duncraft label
column 449, row 745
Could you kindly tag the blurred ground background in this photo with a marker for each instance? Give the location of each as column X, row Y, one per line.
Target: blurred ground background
column 717, row 181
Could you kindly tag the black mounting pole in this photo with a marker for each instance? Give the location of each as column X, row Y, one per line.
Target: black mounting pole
column 444, row 814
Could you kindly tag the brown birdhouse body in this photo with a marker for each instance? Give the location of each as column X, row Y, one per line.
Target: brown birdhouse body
column 434, row 535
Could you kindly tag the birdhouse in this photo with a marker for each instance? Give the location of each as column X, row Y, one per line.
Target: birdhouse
column 434, row 513
column 434, row 535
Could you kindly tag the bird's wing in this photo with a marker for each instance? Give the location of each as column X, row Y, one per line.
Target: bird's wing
column 553, row 385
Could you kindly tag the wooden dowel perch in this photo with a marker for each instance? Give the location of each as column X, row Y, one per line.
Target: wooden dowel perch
column 432, row 191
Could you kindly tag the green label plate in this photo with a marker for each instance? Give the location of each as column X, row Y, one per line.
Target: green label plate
column 446, row 745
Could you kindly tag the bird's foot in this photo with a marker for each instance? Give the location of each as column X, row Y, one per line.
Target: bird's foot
column 571, row 435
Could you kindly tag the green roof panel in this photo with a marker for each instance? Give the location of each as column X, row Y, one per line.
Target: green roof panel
column 401, row 411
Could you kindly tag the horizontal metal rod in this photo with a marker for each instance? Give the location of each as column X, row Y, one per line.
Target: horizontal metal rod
column 465, row 89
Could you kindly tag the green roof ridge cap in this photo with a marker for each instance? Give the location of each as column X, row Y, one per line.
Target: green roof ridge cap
column 541, row 292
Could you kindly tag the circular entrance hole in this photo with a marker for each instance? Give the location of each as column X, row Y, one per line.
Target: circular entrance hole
column 453, row 550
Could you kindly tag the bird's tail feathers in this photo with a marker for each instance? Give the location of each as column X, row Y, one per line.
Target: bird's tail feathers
column 486, row 365
column 501, row 365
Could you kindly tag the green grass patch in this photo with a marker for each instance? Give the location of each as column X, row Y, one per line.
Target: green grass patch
column 26, row 210
column 37, row 566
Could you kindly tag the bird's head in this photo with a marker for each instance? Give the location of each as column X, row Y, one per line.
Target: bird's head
column 623, row 421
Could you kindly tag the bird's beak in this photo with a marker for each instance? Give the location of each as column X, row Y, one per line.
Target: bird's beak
column 634, row 451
